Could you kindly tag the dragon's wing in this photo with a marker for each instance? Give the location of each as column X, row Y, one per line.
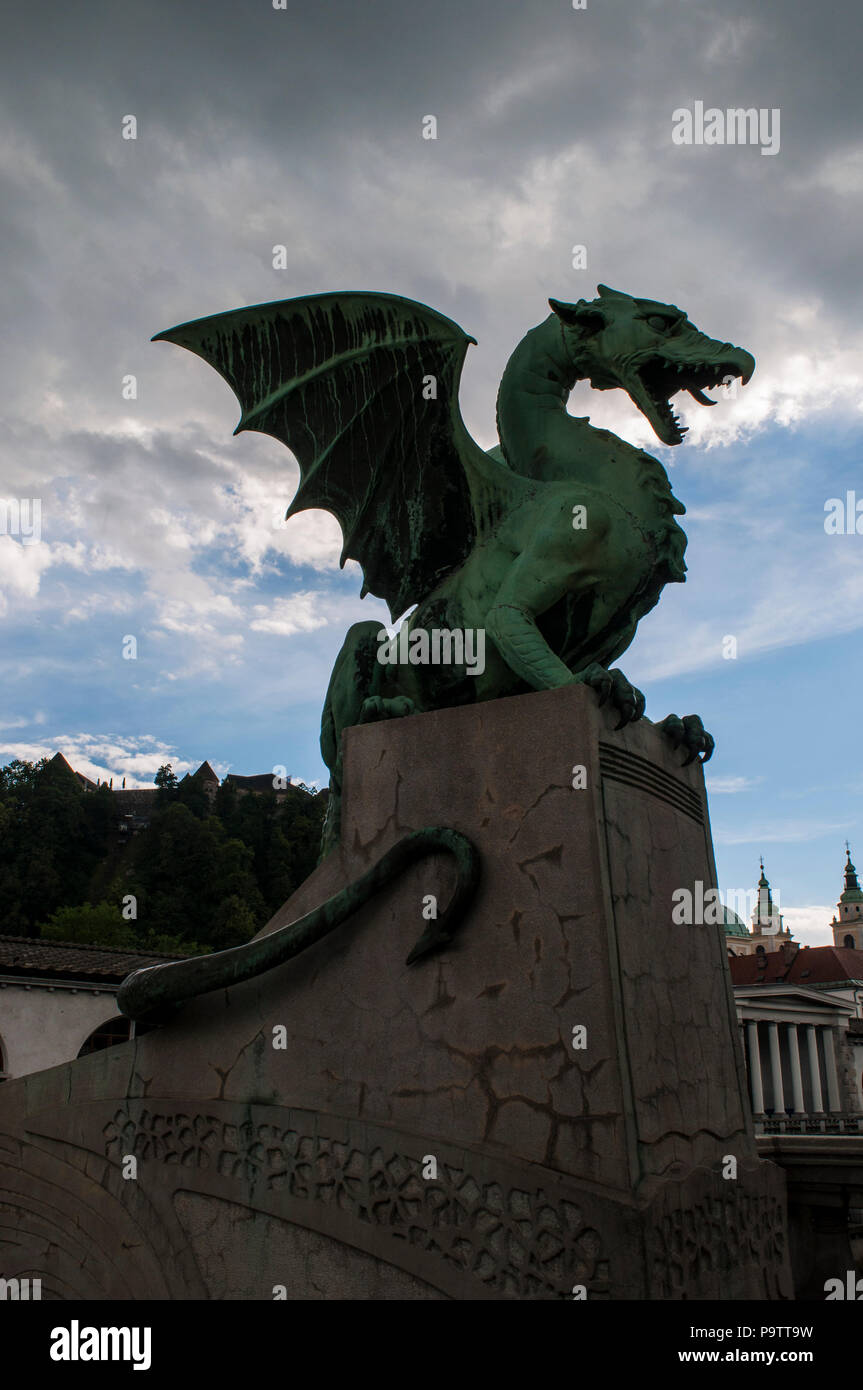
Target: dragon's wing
column 343, row 380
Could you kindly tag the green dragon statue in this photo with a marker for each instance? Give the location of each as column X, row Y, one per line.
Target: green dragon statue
column 553, row 544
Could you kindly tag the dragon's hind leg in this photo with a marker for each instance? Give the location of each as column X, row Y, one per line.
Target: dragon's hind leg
column 354, row 696
column 379, row 707
column 352, row 681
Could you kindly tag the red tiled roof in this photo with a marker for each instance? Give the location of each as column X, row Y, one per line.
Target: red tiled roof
column 28, row 955
column 812, row 965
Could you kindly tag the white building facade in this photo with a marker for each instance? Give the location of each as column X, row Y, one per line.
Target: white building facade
column 58, row 1001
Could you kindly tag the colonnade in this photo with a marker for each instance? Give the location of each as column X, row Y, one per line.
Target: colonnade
column 803, row 1051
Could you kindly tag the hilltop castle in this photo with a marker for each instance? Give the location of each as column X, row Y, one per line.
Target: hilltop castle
column 135, row 805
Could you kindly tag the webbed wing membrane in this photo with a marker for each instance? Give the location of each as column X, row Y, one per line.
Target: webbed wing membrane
column 345, row 381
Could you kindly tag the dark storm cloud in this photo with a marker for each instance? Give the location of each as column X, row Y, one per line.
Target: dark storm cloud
column 303, row 125
column 260, row 127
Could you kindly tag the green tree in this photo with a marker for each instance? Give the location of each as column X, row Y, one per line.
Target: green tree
column 204, row 876
column 166, row 781
column 183, row 871
column 190, row 793
column 101, row 924
column 55, row 834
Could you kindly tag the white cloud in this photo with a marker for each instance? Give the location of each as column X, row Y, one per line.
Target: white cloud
column 729, row 39
column 22, row 566
column 24, row 721
column 808, row 587
column 777, row 832
column 103, row 756
column 727, row 786
column 299, row 613
column 87, row 607
column 809, row 925
column 840, row 172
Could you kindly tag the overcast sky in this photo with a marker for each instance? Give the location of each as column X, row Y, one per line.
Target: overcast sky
column 303, row 127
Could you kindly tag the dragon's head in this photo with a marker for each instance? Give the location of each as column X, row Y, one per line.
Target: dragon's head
column 649, row 349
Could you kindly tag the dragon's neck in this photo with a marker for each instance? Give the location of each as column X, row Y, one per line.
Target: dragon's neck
column 533, row 393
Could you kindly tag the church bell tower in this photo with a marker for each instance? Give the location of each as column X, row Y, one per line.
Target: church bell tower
column 848, row 923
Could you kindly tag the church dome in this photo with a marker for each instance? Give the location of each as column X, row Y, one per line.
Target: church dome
column 732, row 924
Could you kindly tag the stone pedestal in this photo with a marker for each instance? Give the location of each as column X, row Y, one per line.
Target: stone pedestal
column 554, row 1103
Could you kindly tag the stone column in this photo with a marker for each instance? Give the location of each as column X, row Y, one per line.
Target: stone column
column 796, row 1074
column 776, row 1070
column 755, row 1082
column 834, row 1104
column 814, row 1069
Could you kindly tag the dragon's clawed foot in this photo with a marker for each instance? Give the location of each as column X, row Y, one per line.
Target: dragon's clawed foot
column 688, row 733
column 377, row 707
column 614, row 687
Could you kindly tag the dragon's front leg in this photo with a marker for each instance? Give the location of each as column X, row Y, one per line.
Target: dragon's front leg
column 688, row 733
column 612, row 686
column 517, row 637
column 524, row 649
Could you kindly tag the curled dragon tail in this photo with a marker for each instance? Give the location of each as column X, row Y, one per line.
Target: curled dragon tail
column 152, row 992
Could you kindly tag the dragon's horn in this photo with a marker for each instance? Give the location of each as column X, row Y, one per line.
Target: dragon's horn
column 583, row 314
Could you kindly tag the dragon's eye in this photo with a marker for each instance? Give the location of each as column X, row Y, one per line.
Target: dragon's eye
column 659, row 324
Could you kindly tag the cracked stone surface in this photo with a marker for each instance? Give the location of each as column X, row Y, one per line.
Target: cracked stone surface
column 470, row 1051
column 571, row 926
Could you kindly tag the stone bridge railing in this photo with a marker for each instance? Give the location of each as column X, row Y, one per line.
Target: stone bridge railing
column 809, row 1124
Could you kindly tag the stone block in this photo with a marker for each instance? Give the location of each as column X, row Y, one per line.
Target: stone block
column 432, row 1131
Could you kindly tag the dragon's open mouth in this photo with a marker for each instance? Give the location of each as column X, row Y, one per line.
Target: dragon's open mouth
column 655, row 381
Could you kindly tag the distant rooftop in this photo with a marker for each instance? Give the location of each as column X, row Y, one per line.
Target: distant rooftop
column 131, row 799
column 259, row 782
column 40, row 959
column 59, row 761
column 809, row 965
column 137, row 799
column 206, row 773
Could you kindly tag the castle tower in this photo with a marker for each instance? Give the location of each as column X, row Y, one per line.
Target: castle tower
column 209, row 780
column 848, row 923
column 768, row 931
